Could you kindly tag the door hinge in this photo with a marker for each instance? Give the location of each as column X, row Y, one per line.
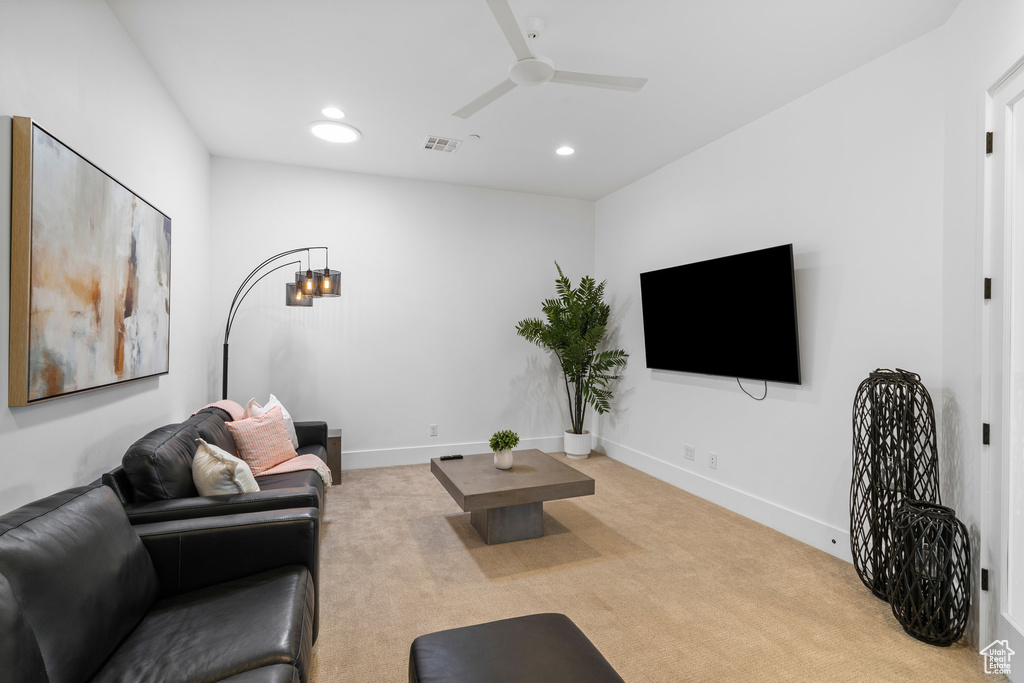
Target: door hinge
column 988, row 288
column 988, row 142
column 985, row 433
column 984, row 579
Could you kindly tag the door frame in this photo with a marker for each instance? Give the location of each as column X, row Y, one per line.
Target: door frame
column 1003, row 205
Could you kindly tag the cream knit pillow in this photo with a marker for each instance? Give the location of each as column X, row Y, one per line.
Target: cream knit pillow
column 216, row 472
column 252, row 409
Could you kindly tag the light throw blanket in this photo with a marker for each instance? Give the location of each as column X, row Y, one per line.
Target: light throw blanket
column 307, row 461
column 235, row 410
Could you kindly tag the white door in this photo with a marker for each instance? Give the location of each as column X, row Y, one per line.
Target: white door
column 1002, row 551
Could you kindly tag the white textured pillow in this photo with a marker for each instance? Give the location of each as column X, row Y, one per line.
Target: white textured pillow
column 254, row 409
column 216, row 472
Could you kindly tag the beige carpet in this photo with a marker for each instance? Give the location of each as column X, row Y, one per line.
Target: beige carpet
column 668, row 586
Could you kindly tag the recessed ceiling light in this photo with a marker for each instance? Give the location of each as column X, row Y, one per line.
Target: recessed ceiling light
column 332, row 113
column 332, row 131
column 564, row 151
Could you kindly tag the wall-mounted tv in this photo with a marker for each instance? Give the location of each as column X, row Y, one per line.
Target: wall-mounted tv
column 733, row 316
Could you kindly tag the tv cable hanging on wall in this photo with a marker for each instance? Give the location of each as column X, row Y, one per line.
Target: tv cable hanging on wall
column 750, row 394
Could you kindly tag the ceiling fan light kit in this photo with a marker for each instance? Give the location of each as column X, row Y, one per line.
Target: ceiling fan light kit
column 532, row 70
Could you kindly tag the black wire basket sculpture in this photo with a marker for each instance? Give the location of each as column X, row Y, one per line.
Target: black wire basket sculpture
column 930, row 573
column 894, row 458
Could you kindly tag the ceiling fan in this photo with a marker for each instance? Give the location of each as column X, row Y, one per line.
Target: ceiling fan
column 530, row 69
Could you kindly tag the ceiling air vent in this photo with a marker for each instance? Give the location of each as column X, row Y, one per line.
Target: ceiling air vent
column 439, row 144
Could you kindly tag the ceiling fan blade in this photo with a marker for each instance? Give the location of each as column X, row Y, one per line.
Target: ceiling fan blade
column 627, row 83
column 485, row 99
column 510, row 27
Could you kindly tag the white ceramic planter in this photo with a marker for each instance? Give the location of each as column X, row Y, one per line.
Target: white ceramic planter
column 577, row 446
column 503, row 459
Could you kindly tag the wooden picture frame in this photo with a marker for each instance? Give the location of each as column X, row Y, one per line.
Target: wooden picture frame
column 90, row 274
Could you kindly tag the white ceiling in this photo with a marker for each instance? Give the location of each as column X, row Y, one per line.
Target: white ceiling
column 251, row 75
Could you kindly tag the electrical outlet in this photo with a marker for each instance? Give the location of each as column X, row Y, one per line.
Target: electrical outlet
column 713, row 460
column 691, row 452
column 433, row 430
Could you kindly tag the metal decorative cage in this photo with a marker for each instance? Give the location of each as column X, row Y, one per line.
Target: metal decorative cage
column 894, row 458
column 930, row 572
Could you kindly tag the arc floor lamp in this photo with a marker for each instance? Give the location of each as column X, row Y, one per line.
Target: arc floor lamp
column 308, row 285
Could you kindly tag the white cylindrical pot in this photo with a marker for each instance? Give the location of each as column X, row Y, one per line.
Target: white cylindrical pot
column 503, row 459
column 577, row 446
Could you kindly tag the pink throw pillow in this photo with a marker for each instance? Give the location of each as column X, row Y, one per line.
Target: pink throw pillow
column 262, row 441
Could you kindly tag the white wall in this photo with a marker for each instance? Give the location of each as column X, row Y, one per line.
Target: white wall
column 72, row 68
column 851, row 174
column 434, row 279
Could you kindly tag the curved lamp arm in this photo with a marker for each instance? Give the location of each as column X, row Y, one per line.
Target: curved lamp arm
column 243, row 290
column 235, row 304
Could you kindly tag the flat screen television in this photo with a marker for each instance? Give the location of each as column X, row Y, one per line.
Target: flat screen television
column 733, row 316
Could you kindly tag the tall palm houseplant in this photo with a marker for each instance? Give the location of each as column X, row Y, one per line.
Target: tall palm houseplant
column 575, row 326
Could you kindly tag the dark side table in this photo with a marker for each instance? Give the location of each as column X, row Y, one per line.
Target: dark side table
column 334, row 454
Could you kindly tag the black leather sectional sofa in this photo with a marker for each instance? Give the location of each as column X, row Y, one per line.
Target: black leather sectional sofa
column 87, row 596
column 154, row 481
column 137, row 577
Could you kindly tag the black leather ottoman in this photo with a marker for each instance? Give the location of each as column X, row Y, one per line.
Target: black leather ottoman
column 538, row 648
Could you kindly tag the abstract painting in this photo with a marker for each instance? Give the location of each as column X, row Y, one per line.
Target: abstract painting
column 90, row 274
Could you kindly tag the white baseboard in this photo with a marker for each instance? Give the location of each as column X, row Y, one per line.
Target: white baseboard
column 414, row 455
column 813, row 532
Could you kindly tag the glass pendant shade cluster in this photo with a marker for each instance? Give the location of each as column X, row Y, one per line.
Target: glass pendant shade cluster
column 313, row 284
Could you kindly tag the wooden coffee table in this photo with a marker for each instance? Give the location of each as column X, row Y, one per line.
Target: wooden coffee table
column 508, row 505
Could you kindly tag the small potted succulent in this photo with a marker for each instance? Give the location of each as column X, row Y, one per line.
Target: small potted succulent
column 502, row 444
